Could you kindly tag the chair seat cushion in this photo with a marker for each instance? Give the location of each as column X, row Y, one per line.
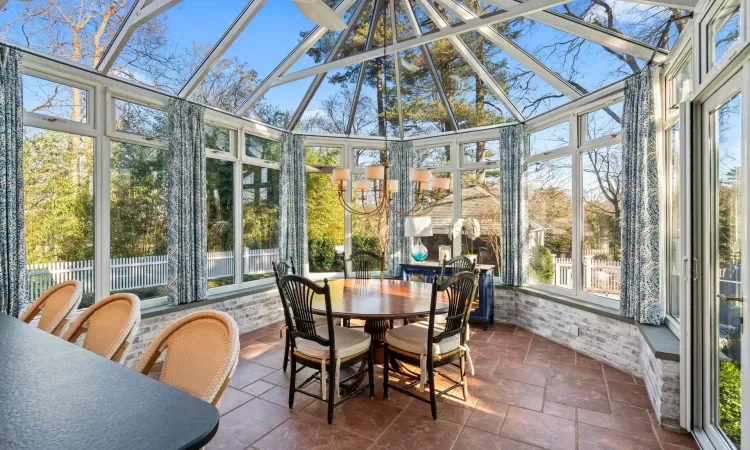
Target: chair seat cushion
column 348, row 342
column 322, row 321
column 413, row 339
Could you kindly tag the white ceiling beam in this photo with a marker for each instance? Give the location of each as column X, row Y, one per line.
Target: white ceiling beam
column 310, row 40
column 522, row 9
column 471, row 59
column 331, row 56
column 142, row 12
column 515, row 52
column 409, row 11
column 590, row 32
column 679, row 4
column 247, row 15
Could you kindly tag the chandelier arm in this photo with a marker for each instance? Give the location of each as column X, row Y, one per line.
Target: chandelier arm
column 363, row 211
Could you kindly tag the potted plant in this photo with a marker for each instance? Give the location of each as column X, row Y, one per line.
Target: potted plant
column 468, row 227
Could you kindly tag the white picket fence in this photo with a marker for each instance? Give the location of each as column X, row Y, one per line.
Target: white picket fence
column 601, row 276
column 141, row 272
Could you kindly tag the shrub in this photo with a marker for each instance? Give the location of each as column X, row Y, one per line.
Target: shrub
column 366, row 244
column 541, row 265
column 730, row 399
column 322, row 252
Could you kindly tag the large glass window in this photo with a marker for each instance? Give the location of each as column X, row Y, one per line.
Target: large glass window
column 220, row 214
column 724, row 30
column 603, row 122
column 602, row 218
column 432, row 156
column 365, row 157
column 261, row 148
column 674, row 256
column 550, row 206
column 218, row 139
column 480, row 205
column 260, row 221
column 141, row 120
column 325, row 215
column 138, row 220
column 550, row 138
column 440, row 244
column 59, row 210
column 481, row 151
column 53, row 99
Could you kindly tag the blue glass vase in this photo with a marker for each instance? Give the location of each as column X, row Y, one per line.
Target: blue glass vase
column 418, row 251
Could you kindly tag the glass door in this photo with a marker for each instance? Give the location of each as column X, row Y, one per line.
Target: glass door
column 724, row 244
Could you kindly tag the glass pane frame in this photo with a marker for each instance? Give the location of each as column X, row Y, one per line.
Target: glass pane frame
column 42, row 120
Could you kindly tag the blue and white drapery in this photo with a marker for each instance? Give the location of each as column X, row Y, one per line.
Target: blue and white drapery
column 514, row 257
column 13, row 283
column 639, row 290
column 401, row 158
column 186, row 204
column 293, row 202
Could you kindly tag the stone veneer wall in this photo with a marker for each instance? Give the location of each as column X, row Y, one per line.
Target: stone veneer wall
column 251, row 312
column 618, row 343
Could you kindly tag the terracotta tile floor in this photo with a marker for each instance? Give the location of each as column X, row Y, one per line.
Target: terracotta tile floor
column 528, row 392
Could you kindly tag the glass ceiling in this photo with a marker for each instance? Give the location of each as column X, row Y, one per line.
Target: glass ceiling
column 496, row 73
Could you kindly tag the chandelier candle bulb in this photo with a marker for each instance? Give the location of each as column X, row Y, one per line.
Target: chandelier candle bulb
column 375, row 173
column 341, row 173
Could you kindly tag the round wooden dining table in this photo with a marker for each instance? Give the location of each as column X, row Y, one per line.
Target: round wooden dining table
column 378, row 302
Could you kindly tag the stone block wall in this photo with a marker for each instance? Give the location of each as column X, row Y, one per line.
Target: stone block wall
column 616, row 342
column 251, row 312
column 662, row 378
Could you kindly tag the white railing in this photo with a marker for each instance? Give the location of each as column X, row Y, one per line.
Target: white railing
column 141, row 272
column 600, row 276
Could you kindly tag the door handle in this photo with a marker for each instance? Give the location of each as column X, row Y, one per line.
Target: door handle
column 731, row 299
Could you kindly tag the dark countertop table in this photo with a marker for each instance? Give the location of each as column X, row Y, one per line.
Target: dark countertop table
column 54, row 394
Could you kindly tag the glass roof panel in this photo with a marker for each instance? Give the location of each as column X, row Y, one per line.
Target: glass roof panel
column 40, row 25
column 330, row 106
column 472, row 102
column 404, row 31
column 165, row 50
column 529, row 93
column 423, row 110
column 278, row 105
column 583, row 63
column 643, row 22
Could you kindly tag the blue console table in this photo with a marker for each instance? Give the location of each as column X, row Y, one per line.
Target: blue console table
column 431, row 270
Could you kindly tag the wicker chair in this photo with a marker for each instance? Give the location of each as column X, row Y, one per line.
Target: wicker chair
column 457, row 264
column 430, row 346
column 110, row 325
column 202, row 350
column 56, row 305
column 328, row 348
column 363, row 264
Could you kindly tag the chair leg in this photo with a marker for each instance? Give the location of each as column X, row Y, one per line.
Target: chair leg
column 331, row 387
column 464, row 382
column 431, row 382
column 371, row 371
column 292, row 381
column 386, row 364
column 287, row 344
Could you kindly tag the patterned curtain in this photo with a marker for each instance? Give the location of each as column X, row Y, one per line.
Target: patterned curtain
column 293, row 202
column 401, row 158
column 186, row 204
column 514, row 257
column 639, row 291
column 13, row 293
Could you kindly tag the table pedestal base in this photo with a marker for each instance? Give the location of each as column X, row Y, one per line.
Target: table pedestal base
column 377, row 329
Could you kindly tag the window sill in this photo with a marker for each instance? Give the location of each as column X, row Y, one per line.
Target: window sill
column 660, row 339
column 228, row 295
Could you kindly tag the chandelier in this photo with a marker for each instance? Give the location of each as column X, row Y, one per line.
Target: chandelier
column 427, row 192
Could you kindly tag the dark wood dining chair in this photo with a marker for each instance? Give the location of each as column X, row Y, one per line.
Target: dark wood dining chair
column 280, row 270
column 363, row 264
column 327, row 348
column 429, row 346
column 457, row 264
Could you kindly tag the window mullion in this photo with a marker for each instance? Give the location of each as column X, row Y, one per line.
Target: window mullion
column 577, row 204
